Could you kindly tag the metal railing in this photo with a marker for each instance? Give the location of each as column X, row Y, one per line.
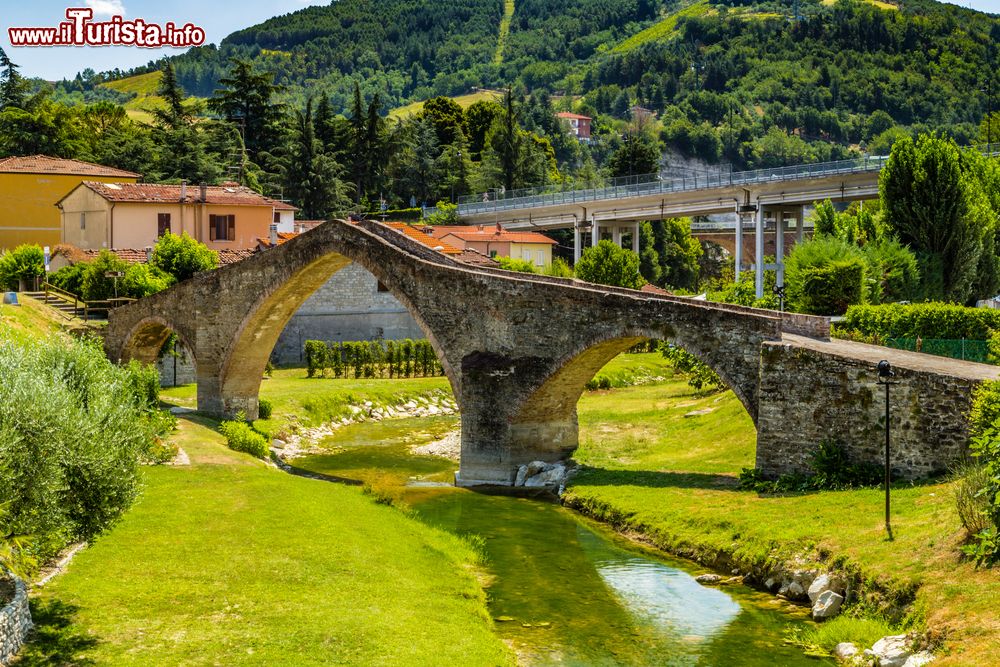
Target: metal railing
column 653, row 184
column 83, row 309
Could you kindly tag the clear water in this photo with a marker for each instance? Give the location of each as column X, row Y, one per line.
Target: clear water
column 565, row 590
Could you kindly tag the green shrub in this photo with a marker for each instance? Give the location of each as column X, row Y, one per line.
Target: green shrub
column 95, row 285
column 559, row 268
column 970, row 490
column 69, row 278
column 824, row 276
column 609, row 264
column 984, row 424
column 142, row 280
column 892, row 271
column 513, row 264
column 315, row 351
column 25, row 262
column 923, row 320
column 264, row 408
column 831, row 469
column 241, row 437
column 181, row 257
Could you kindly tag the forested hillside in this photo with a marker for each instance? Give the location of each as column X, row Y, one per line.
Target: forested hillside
column 744, row 80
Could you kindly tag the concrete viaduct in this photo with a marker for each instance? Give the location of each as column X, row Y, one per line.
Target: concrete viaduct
column 764, row 202
column 518, row 349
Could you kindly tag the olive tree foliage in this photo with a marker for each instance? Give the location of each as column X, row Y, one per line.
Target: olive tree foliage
column 609, row 264
column 933, row 202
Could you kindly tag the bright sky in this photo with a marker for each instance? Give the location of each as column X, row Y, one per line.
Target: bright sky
column 217, row 17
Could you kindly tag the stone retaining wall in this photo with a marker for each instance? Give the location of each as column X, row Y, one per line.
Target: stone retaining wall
column 15, row 622
column 811, row 393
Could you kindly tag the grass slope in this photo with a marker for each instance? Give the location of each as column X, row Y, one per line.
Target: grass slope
column 664, row 28
column 231, row 562
column 464, row 101
column 508, row 14
column 144, row 87
column 671, row 477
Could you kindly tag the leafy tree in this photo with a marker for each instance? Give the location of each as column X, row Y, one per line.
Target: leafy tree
column 649, row 258
column 25, row 262
column 638, row 154
column 678, row 252
column 479, row 118
column 893, row 272
column 609, row 264
column 446, row 116
column 932, row 205
column 311, row 178
column 455, row 166
column 824, row 276
column 13, row 87
column 182, row 256
column 825, row 220
column 246, row 100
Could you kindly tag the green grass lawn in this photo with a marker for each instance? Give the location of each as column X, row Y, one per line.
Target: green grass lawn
column 231, row 562
column 652, row 470
column 312, row 401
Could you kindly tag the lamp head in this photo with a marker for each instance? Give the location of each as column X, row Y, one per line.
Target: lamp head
column 885, row 370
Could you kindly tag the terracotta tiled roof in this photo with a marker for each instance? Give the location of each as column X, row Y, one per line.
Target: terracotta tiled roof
column 650, row 288
column 490, row 233
column 420, row 236
column 282, row 237
column 157, row 193
column 282, row 205
column 43, row 164
column 228, row 256
column 567, row 114
column 127, row 255
column 476, row 258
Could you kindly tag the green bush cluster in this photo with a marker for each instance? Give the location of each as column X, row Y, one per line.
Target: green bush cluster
column 515, row 264
column 831, row 469
column 25, row 262
column 923, row 320
column 73, row 429
column 979, row 508
column 241, row 437
column 264, row 408
column 372, row 359
column 88, row 280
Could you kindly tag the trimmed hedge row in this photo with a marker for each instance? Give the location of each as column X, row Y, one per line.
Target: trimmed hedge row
column 923, row 320
column 372, row 359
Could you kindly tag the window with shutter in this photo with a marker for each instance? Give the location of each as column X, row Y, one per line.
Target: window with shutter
column 162, row 224
column 230, row 227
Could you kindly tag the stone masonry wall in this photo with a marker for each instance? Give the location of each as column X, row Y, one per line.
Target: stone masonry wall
column 177, row 369
column 812, row 391
column 15, row 622
column 347, row 307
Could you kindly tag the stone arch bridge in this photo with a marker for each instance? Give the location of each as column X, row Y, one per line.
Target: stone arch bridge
column 519, row 348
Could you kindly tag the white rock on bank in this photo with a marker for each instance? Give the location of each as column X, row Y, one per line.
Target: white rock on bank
column 708, row 579
column 845, row 651
column 919, row 659
column 892, row 651
column 551, row 475
column 823, row 583
column 827, row 605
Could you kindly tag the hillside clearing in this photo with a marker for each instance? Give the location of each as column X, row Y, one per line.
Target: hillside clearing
column 464, row 101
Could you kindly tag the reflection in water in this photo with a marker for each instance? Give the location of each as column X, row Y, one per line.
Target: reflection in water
column 566, row 590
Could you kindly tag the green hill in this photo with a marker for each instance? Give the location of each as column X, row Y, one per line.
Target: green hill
column 756, row 82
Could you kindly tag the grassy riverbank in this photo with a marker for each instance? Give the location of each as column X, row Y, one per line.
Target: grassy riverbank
column 227, row 561
column 652, row 470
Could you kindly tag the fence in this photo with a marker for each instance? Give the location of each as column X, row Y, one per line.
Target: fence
column 964, row 348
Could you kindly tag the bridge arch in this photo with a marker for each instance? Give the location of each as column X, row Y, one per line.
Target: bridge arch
column 147, row 336
column 546, row 425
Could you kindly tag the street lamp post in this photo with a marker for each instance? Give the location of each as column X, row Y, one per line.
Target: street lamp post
column 885, row 375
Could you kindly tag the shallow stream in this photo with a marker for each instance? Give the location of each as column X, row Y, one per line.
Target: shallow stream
column 566, row 590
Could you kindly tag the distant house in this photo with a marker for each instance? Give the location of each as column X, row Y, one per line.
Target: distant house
column 498, row 242
column 30, row 185
column 134, row 215
column 578, row 126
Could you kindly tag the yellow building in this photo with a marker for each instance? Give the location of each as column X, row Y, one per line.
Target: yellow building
column 31, row 185
column 98, row 215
